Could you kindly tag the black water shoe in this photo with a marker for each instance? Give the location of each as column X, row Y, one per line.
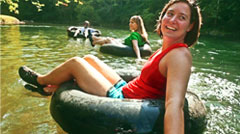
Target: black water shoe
column 37, row 89
column 90, row 38
column 29, row 76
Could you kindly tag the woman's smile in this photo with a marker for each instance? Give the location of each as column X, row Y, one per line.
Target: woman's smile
column 171, row 28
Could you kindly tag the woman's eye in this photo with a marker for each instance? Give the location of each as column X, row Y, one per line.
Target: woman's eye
column 169, row 14
column 182, row 18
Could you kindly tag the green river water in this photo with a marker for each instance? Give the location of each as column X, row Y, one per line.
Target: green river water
column 215, row 75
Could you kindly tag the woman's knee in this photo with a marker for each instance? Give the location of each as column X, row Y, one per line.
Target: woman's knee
column 75, row 60
column 90, row 58
column 109, row 40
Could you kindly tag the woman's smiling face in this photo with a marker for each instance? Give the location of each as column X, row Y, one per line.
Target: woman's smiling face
column 176, row 22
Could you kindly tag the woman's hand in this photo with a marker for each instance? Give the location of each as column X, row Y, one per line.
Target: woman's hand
column 141, row 61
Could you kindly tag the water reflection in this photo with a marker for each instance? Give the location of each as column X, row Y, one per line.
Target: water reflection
column 215, row 75
column 217, row 57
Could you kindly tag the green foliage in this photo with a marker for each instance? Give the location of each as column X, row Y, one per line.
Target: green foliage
column 13, row 4
column 221, row 15
column 218, row 15
column 149, row 18
column 86, row 12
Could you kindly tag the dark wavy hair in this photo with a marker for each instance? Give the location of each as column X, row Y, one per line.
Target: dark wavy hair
column 196, row 19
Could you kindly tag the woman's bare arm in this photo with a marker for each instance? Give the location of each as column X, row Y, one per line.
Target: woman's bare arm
column 136, row 48
column 178, row 64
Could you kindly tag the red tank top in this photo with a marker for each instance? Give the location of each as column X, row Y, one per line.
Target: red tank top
column 151, row 83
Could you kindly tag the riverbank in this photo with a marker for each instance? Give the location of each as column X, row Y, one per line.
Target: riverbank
column 9, row 20
column 215, row 33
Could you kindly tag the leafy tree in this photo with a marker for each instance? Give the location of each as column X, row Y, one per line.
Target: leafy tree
column 218, row 15
column 87, row 12
column 13, row 4
column 221, row 15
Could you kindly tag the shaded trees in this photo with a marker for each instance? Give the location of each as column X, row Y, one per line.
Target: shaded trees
column 218, row 15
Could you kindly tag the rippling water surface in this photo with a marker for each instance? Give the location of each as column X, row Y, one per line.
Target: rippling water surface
column 215, row 76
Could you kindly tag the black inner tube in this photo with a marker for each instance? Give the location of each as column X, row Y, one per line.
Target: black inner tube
column 79, row 112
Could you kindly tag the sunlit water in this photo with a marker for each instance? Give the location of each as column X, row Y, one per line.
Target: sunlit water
column 215, row 76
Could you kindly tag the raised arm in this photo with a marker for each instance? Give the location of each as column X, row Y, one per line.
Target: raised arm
column 179, row 62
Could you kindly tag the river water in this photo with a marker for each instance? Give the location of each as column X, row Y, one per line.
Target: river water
column 215, row 75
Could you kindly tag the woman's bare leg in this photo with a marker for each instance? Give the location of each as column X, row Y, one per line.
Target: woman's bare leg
column 103, row 68
column 100, row 40
column 87, row 77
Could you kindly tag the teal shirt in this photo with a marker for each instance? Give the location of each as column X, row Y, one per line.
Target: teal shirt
column 134, row 36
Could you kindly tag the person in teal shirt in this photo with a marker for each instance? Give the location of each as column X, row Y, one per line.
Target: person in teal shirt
column 137, row 38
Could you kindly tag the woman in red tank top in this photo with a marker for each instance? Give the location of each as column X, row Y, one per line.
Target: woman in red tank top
column 165, row 74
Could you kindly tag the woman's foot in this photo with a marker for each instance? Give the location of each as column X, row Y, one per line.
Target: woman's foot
column 29, row 76
column 37, row 89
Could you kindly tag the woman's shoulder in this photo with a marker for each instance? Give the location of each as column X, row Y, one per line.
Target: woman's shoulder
column 180, row 54
column 136, row 34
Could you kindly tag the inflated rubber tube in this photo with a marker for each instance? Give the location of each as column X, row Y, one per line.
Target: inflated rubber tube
column 79, row 112
column 124, row 50
column 72, row 29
